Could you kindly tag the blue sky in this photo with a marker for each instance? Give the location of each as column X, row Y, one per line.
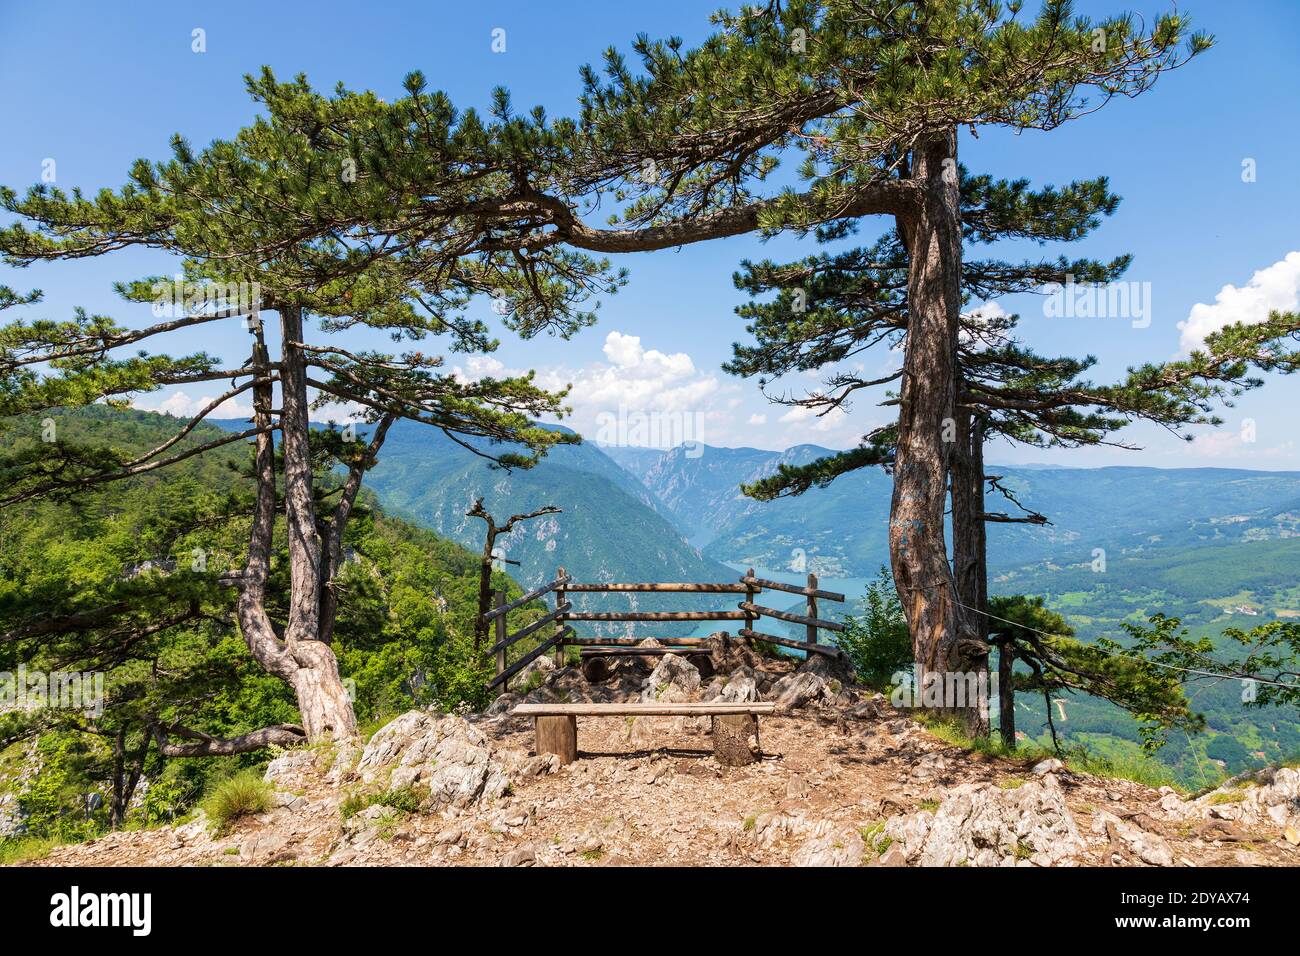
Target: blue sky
column 94, row 86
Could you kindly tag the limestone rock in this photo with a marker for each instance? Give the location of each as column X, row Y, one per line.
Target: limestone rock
column 840, row 847
column 983, row 825
column 740, row 690
column 1271, row 799
column 1149, row 847
column 288, row 768
column 835, row 670
column 799, row 690
column 445, row 755
column 525, row 855
column 674, row 680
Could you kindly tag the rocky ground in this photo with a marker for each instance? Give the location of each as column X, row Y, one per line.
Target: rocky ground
column 843, row 779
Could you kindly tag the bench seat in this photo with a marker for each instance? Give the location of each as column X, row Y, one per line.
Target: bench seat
column 556, row 728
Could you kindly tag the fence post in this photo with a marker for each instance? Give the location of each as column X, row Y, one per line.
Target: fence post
column 812, row 608
column 559, row 622
column 750, row 594
column 501, row 636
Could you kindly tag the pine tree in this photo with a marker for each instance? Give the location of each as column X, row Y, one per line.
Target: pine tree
column 831, row 309
column 245, row 216
column 871, row 97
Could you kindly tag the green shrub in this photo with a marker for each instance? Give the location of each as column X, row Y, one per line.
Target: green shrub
column 405, row 799
column 243, row 794
column 876, row 640
column 26, row 848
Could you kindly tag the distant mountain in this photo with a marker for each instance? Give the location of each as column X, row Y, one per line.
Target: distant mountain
column 841, row 530
column 610, row 528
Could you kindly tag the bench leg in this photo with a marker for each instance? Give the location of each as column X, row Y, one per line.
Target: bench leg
column 557, row 735
column 731, row 735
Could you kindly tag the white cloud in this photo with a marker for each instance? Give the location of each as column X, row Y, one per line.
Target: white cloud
column 758, row 419
column 181, row 405
column 635, row 382
column 1241, row 446
column 1274, row 287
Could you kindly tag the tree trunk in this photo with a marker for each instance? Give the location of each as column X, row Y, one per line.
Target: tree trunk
column 301, row 659
column 941, row 639
column 969, row 558
column 1007, row 692
column 128, row 767
column 969, row 555
column 484, row 589
column 323, row 702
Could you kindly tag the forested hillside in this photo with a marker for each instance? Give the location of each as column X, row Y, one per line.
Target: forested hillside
column 125, row 580
column 610, row 527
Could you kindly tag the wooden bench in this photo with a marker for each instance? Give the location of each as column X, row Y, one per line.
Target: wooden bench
column 556, row 725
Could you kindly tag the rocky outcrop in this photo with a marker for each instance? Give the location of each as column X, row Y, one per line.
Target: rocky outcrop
column 444, row 756
column 674, row 680
column 1128, row 841
column 801, row 689
column 985, row 825
column 1271, row 800
column 842, row 846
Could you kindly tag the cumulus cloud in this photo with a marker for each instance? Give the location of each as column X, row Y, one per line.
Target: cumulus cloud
column 633, row 384
column 181, row 405
column 757, row 419
column 1274, row 287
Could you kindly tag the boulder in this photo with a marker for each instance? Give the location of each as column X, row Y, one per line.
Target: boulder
column 835, row 670
column 1272, row 798
column 442, row 754
column 799, row 690
column 503, row 704
column 674, row 680
column 1150, row 848
column 525, row 855
column 739, row 690
column 984, row 825
column 840, row 847
column 288, row 770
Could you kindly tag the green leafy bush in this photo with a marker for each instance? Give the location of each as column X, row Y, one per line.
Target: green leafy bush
column 876, row 640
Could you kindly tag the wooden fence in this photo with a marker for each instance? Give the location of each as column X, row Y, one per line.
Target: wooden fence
column 561, row 634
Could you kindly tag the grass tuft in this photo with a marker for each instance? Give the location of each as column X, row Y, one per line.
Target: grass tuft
column 242, row 795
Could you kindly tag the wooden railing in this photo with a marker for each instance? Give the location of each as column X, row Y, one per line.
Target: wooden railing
column 749, row 611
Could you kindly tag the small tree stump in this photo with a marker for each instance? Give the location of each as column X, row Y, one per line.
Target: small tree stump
column 557, row 735
column 731, row 735
column 596, row 670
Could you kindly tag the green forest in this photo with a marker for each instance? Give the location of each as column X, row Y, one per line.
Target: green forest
column 152, row 549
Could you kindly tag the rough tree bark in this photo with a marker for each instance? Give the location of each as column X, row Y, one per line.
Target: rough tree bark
column 941, row 637
column 301, row 659
column 969, row 557
column 969, row 552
